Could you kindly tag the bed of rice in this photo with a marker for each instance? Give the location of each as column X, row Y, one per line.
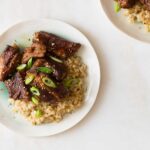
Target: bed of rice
column 139, row 14
column 76, row 69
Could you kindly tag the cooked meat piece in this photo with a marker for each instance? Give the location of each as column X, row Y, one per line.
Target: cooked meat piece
column 49, row 94
column 57, row 46
column 126, row 3
column 59, row 69
column 45, row 92
column 39, row 63
column 17, row 88
column 61, row 91
column 9, row 60
column 37, row 50
column 146, row 3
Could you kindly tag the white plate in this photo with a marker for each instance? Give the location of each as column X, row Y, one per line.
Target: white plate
column 21, row 32
column 136, row 31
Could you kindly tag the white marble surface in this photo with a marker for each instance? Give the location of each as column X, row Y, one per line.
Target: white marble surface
column 120, row 119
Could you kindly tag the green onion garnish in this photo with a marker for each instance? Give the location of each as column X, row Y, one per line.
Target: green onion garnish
column 21, row 67
column 117, row 7
column 38, row 113
column 35, row 100
column 45, row 70
column 49, row 82
column 56, row 59
column 35, row 91
column 30, row 62
column 29, row 78
column 70, row 81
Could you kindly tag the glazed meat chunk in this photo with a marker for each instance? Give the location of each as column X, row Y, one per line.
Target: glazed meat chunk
column 126, row 3
column 50, row 94
column 47, row 93
column 37, row 50
column 146, row 3
column 9, row 60
column 17, row 88
column 59, row 69
column 57, row 46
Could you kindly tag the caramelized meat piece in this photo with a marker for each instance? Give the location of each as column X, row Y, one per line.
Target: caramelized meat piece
column 126, row 3
column 9, row 60
column 57, row 46
column 47, row 96
column 37, row 50
column 16, row 87
column 39, row 63
column 61, row 91
column 59, row 69
column 146, row 3
column 52, row 95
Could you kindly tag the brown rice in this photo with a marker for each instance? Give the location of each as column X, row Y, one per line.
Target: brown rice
column 139, row 14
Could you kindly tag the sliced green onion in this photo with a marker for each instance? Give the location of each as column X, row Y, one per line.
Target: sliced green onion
column 29, row 79
column 70, row 81
column 67, row 83
column 45, row 70
column 30, row 62
column 21, row 67
column 38, row 113
column 35, row 100
column 56, row 59
column 117, row 7
column 35, row 91
column 49, row 82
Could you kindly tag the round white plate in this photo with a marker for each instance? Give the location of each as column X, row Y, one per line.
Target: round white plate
column 20, row 33
column 136, row 31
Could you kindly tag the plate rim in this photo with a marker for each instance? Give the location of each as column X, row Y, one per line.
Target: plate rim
column 99, row 72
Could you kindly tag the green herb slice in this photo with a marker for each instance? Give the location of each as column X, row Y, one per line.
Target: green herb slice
column 45, row 70
column 21, row 67
column 35, row 91
column 30, row 63
column 49, row 82
column 70, row 81
column 29, row 78
column 38, row 113
column 117, row 7
column 56, row 59
column 35, row 100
